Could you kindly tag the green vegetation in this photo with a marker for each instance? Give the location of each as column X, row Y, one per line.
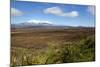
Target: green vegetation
column 77, row 51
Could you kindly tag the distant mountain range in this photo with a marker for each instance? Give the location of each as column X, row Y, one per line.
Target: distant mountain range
column 42, row 26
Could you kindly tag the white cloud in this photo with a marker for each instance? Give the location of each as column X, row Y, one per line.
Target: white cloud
column 57, row 11
column 72, row 14
column 39, row 21
column 53, row 10
column 91, row 9
column 16, row 12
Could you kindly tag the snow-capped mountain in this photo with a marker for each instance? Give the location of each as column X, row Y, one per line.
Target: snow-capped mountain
column 30, row 24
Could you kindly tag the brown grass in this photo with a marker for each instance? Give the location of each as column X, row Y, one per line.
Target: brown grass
column 35, row 40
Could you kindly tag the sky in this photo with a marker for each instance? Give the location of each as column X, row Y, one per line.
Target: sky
column 52, row 13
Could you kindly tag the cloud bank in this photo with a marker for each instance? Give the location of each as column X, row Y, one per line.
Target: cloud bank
column 58, row 11
column 16, row 12
column 91, row 9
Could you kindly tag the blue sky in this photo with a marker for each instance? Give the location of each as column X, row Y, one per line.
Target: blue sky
column 54, row 13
